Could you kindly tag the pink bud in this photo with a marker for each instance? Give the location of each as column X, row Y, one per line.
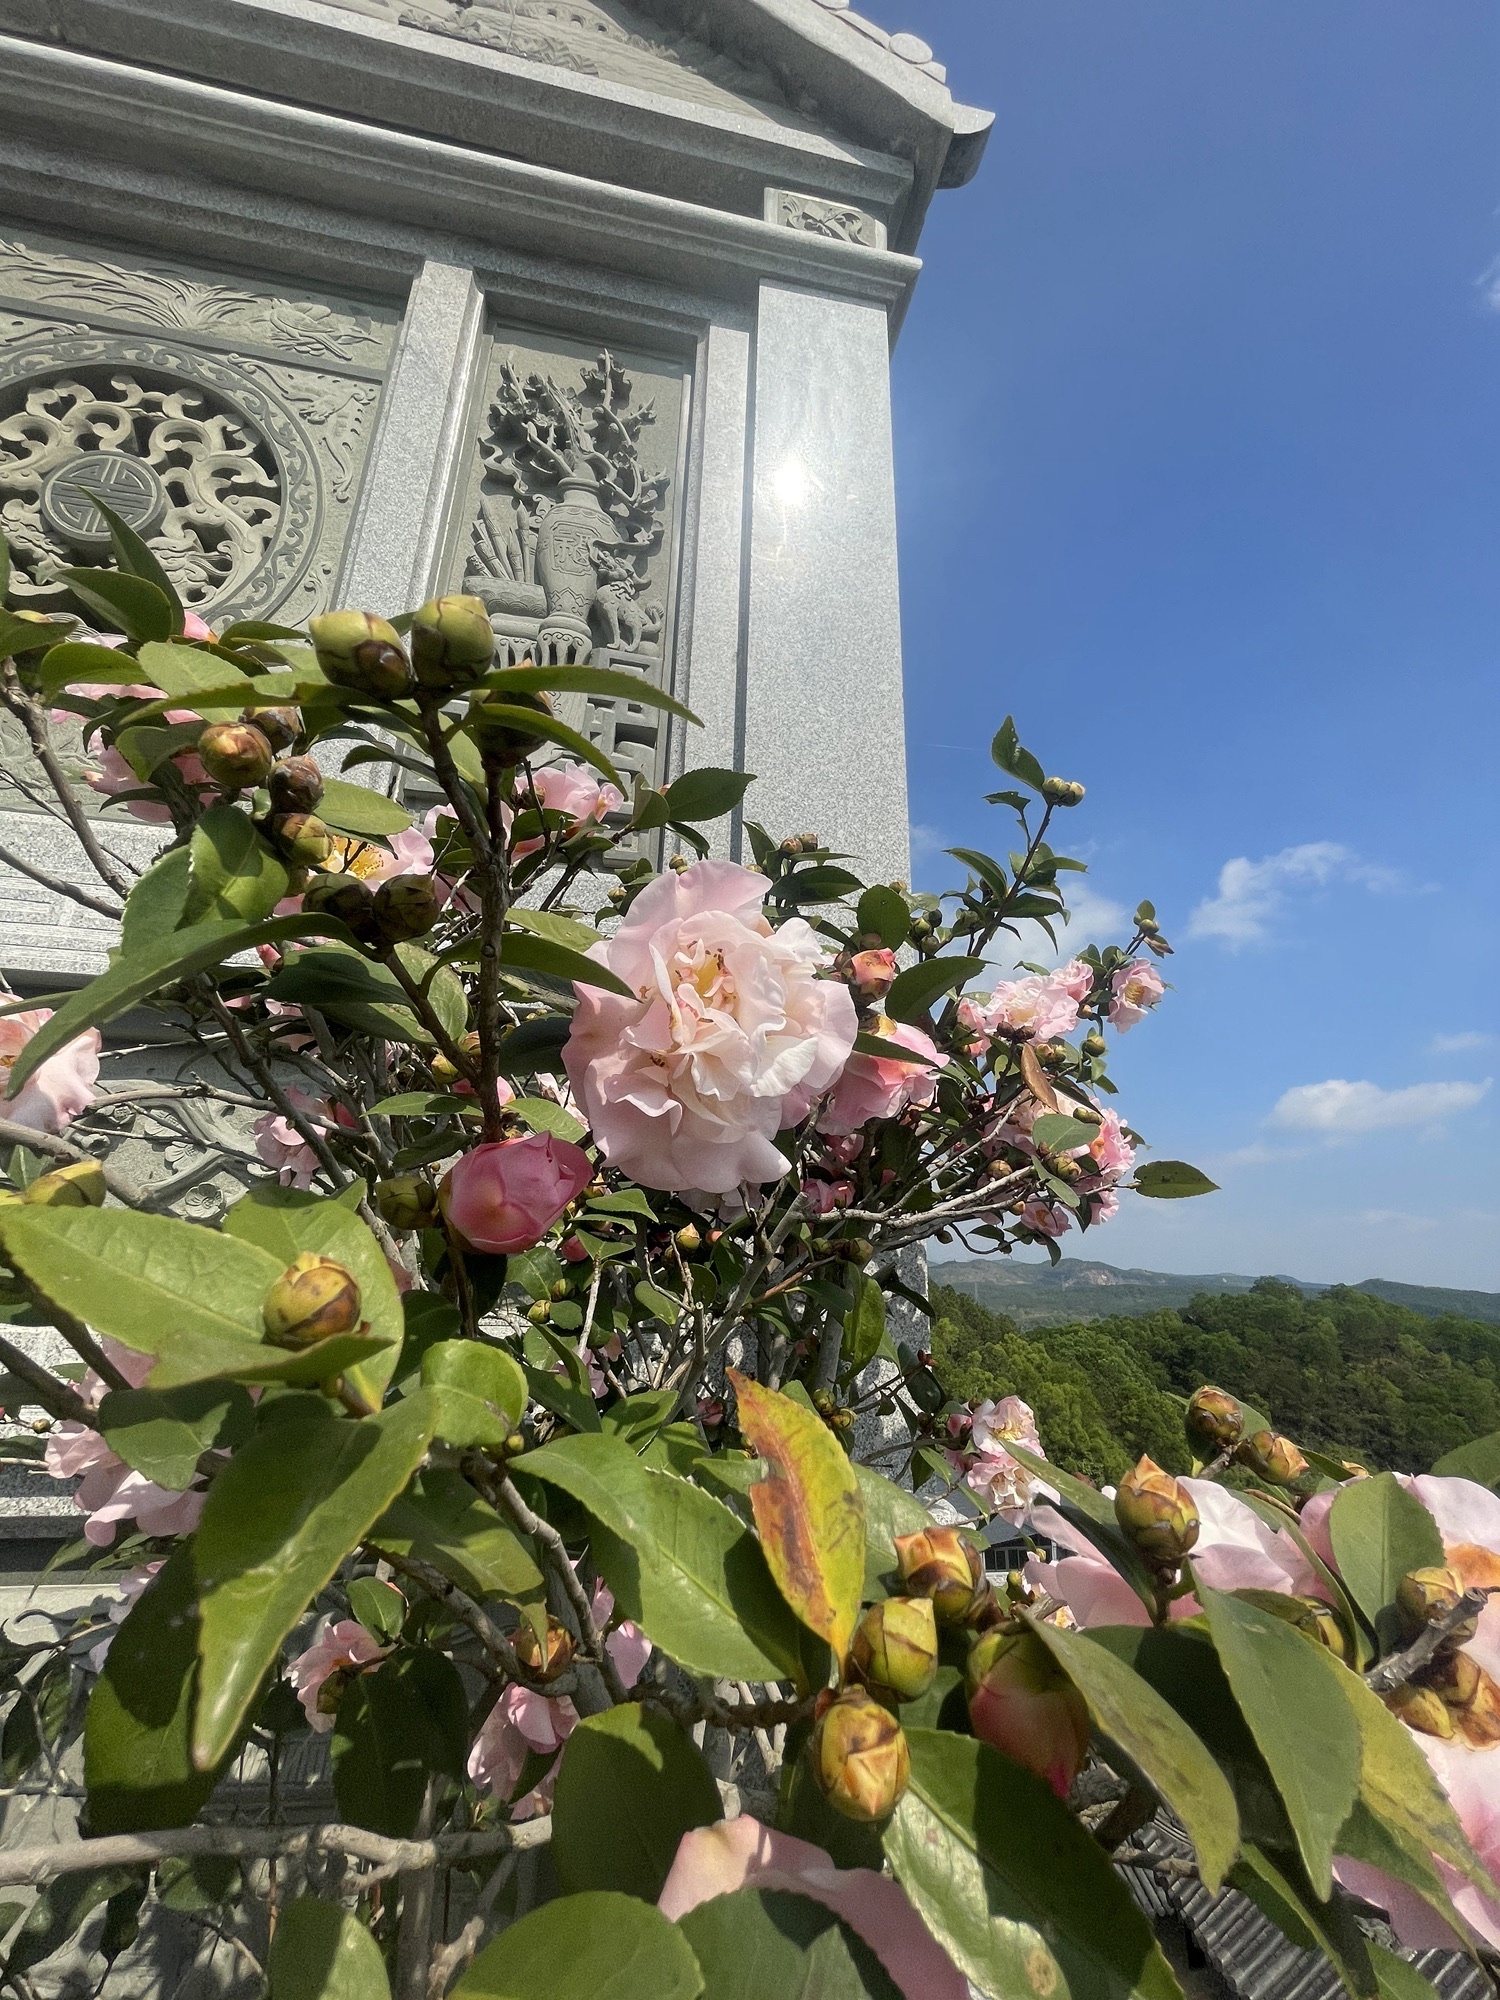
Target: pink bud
column 1022, row 1703
column 193, row 626
column 874, row 973
column 573, row 1252
column 505, row 1196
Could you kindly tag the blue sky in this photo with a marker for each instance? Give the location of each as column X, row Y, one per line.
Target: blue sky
column 1198, row 424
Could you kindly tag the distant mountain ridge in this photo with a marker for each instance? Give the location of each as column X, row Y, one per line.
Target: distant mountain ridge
column 1077, row 1289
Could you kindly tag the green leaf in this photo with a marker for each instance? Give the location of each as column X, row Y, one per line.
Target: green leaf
column 81, row 662
column 755, row 1943
column 133, row 555
column 397, row 1727
column 128, row 604
column 809, row 1509
column 378, row 1606
column 1302, row 1724
column 821, row 884
column 1172, row 1180
column 323, row 1952
column 525, row 952
column 890, row 1510
column 640, row 1417
column 480, row 1374
column 163, row 1433
column 914, row 991
column 1077, row 1492
column 557, row 929
column 278, row 1521
column 631, row 1785
column 547, row 729
column 887, row 913
column 1398, row 1978
column 1057, row 1131
column 864, row 1327
column 1380, row 1531
column 542, row 1115
column 588, row 680
column 361, row 810
column 866, row 1044
column 597, row 1946
column 130, row 980
column 1478, row 1460
column 1310, row 1925
column 233, row 872
column 1129, row 1711
column 707, row 793
column 61, row 1909
column 990, row 873
column 679, row 1563
column 1022, row 1899
column 186, row 671
column 157, row 902
column 441, row 1520
column 1013, row 760
column 350, row 988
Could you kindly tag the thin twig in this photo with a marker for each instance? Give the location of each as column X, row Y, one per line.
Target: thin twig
column 120, row 1185
column 59, row 886
column 561, row 1564
column 454, row 1958
column 33, row 719
column 51, row 1394
column 1390, row 1673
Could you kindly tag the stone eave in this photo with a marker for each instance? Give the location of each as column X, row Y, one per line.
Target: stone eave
column 884, row 136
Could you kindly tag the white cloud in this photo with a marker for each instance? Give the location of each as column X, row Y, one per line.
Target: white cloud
column 1252, row 893
column 1458, row 1045
column 1339, row 1107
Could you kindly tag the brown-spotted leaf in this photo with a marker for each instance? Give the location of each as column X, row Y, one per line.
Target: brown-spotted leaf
column 809, row 1510
column 1035, row 1078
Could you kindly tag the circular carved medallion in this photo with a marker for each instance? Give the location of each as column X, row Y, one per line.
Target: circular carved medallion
column 127, row 485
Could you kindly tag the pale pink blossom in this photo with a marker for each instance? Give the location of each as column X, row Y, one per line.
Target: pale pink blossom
column 574, row 791
column 1135, row 990
column 283, row 1147
column 741, row 1853
column 730, row 1037
column 1045, row 1218
column 505, row 1196
column 335, row 1649
column 61, row 1087
column 407, row 853
column 193, row 627
column 881, row 1087
column 874, row 973
column 109, row 1491
column 1109, row 1151
column 1032, row 1009
column 823, row 1197
column 130, row 1587
column 1001, row 1483
column 113, row 774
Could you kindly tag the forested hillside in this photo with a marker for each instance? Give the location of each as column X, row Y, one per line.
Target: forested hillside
column 1348, row 1372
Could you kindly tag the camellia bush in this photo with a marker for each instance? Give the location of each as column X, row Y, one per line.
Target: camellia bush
column 550, row 1428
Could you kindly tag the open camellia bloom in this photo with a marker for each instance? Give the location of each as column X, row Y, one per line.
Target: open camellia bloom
column 574, row 791
column 505, row 1196
column 880, row 1086
column 1134, row 991
column 336, row 1649
column 732, row 1035
column 1033, row 1009
column 53, row 1095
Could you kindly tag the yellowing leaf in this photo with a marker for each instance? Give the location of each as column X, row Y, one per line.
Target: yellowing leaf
column 809, row 1510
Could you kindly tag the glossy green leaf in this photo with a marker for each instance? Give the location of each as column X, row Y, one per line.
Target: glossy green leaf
column 1172, row 1180
column 890, row 1510
column 1022, row 1899
column 1060, row 1132
column 1479, row 1460
column 361, row 810
column 82, row 663
column 323, row 1952
column 278, row 1521
column 131, row 980
column 157, row 902
column 234, row 873
column 1129, row 1711
column 1013, row 760
column 1379, row 1531
column 441, row 1520
column 163, row 1433
column 640, row 1417
column 378, row 1606
column 706, row 793
column 886, row 913
column 542, row 1115
column 597, row 1946
column 612, row 681
column 914, row 991
column 1398, row 1978
column 563, row 1398
column 184, row 671
column 406, row 1722
column 482, row 1391
column 632, row 1784
column 759, row 1943
column 864, row 1326
column 349, row 988
column 820, row 884
column 679, row 1563
column 1303, row 1726
column 136, row 557
column 129, row 604
column 547, row 729
column 526, row 952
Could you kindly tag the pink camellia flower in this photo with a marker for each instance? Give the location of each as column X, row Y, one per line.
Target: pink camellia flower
column 193, row 627
column 506, row 1195
column 731, row 1037
column 109, row 1491
column 114, row 775
column 881, row 1087
column 1000, row 1482
column 742, row 1854
column 1109, row 1152
column 823, row 1197
column 844, row 1150
column 54, row 1094
column 1135, row 990
column 1033, row 1009
column 335, row 1650
column 574, row 791
column 283, row 1147
column 1046, row 1218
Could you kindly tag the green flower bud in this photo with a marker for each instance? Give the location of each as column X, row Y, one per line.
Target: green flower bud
column 1094, row 1044
column 303, row 839
column 944, row 1565
column 345, row 898
column 497, row 741
column 1157, row 1513
column 1423, row 1596
column 895, row 1648
column 406, row 906
column 1214, row 1420
column 451, row 643
column 688, row 1239
column 860, row 1757
column 313, row 1299
column 295, row 786
column 1062, row 791
column 1272, row 1458
column 357, row 650
column 280, row 726
column 407, row 1201
column 235, row 755
column 80, row 1185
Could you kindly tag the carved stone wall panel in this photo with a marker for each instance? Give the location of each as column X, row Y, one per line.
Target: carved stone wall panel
column 568, row 531
column 227, row 423
column 838, row 221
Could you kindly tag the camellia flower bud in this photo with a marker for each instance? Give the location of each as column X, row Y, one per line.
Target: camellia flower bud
column 1158, row 1514
column 860, row 1756
column 498, row 741
column 1425, row 1595
column 1456, row 1677
column 295, row 786
column 451, row 642
column 944, row 1565
column 506, row 1195
column 302, row 838
column 1214, row 1420
column 559, row 1651
column 874, row 974
column 1272, row 1457
column 1062, row 791
column 895, row 1648
column 1021, row 1702
column 407, row 1201
column 1319, row 1621
column 313, row 1299
column 357, row 650
column 280, row 726
column 235, row 755
column 345, row 898
column 407, row 906
column 80, row 1185
column 1094, row 1043
column 1422, row 1709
